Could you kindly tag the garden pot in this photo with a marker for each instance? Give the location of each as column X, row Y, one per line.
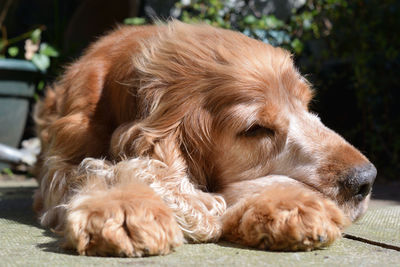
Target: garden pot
column 18, row 79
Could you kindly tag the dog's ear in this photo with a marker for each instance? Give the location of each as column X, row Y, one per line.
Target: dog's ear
column 140, row 139
column 159, row 130
column 197, row 144
column 128, row 140
column 175, row 136
column 145, row 140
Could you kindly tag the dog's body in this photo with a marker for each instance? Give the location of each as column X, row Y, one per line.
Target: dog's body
column 161, row 134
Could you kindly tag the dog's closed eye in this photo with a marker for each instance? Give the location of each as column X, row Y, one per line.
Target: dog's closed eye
column 257, row 130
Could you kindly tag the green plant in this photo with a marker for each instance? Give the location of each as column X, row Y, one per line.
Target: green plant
column 135, row 21
column 36, row 51
column 7, row 171
column 366, row 51
column 303, row 24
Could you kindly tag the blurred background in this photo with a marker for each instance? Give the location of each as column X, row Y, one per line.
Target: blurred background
column 349, row 50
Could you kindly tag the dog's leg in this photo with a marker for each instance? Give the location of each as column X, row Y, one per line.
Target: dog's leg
column 128, row 219
column 94, row 202
column 279, row 213
column 196, row 212
column 134, row 207
column 101, row 213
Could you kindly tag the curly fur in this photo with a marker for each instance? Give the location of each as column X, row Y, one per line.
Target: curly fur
column 145, row 147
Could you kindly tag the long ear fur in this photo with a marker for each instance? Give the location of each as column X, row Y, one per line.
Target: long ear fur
column 186, row 137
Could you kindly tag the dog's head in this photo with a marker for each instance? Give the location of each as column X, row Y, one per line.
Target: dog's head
column 237, row 109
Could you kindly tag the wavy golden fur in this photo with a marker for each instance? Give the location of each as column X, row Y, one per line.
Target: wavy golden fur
column 160, row 135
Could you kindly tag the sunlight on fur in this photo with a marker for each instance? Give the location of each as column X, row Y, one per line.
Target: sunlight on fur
column 161, row 135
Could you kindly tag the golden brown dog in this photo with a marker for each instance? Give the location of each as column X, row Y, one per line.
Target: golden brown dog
column 164, row 134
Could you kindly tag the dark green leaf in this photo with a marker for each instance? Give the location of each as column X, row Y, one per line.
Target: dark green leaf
column 40, row 85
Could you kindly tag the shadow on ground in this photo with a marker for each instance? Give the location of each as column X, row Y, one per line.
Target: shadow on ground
column 16, row 206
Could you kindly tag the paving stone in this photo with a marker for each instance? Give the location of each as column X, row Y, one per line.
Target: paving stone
column 24, row 243
column 380, row 226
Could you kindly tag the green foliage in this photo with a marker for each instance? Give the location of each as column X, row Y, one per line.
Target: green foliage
column 8, row 172
column 302, row 25
column 365, row 41
column 41, row 61
column 41, row 57
column 35, row 35
column 40, row 85
column 39, row 53
column 48, row 50
column 135, row 21
column 13, row 51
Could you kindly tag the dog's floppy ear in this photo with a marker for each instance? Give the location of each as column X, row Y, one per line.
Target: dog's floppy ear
column 128, row 140
column 178, row 134
column 197, row 144
column 160, row 129
column 139, row 139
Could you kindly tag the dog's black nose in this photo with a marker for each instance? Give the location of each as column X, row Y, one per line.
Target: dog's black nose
column 360, row 181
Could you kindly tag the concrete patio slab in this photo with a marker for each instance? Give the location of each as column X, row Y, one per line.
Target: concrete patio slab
column 24, row 243
column 380, row 226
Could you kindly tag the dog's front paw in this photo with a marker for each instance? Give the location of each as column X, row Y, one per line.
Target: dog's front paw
column 287, row 218
column 121, row 222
